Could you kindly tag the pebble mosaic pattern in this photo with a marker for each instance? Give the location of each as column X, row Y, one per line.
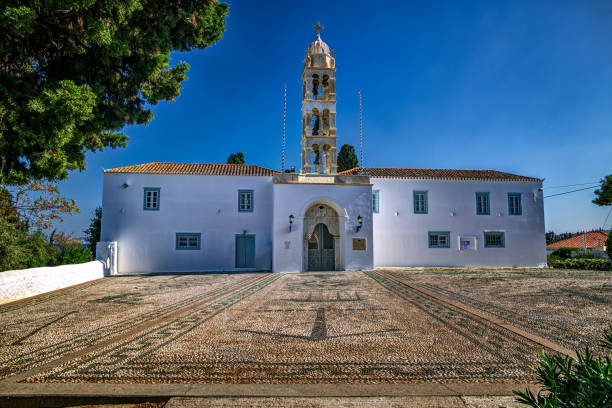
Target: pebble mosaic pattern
column 49, row 327
column 333, row 327
column 570, row 308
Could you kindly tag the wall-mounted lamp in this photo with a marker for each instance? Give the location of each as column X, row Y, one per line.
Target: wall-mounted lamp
column 360, row 221
column 291, row 217
column 125, row 185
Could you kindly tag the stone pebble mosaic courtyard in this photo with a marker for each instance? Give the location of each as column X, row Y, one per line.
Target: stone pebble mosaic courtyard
column 372, row 327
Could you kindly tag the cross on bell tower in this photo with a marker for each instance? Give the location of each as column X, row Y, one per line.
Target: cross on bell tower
column 319, row 149
column 318, row 27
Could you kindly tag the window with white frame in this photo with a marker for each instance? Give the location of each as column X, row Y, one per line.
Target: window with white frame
column 151, row 199
column 245, row 200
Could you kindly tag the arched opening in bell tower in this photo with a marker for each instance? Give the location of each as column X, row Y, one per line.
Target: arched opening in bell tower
column 326, row 120
column 316, row 121
column 315, row 86
column 325, row 88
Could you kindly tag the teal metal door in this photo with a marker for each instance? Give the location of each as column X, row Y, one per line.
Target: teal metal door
column 245, row 251
column 321, row 252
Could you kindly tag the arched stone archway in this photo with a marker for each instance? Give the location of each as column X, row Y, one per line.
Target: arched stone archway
column 321, row 238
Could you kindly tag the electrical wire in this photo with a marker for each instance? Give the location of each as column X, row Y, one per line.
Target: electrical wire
column 604, row 224
column 573, row 191
column 574, row 185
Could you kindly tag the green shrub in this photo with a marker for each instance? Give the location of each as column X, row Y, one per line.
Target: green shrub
column 565, row 253
column 20, row 249
column 585, row 381
column 609, row 245
column 593, row 264
column 73, row 253
column 586, row 256
column 555, row 261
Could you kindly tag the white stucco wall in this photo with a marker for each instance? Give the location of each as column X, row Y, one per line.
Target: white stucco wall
column 402, row 239
column 350, row 201
column 188, row 203
column 19, row 284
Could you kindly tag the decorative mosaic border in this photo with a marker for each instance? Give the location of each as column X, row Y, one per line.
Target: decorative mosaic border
column 534, row 324
column 465, row 324
column 132, row 361
column 102, row 364
column 26, row 361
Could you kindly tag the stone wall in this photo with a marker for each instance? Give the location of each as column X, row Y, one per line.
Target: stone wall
column 19, row 284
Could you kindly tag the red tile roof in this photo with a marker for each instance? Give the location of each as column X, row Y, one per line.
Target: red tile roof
column 578, row 241
column 201, row 169
column 442, row 174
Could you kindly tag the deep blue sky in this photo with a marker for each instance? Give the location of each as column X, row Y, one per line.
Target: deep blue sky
column 517, row 86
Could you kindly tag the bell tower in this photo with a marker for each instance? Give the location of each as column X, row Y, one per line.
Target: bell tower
column 319, row 149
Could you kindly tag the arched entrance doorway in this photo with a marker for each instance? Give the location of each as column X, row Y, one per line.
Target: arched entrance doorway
column 321, row 238
column 321, row 254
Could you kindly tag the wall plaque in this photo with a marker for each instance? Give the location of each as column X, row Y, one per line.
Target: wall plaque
column 359, row 244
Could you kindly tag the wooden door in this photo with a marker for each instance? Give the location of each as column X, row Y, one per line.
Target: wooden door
column 321, row 251
column 245, row 251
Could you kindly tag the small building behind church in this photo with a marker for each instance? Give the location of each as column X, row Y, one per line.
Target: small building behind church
column 196, row 217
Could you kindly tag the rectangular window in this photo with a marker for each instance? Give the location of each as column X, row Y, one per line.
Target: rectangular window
column 439, row 239
column 482, row 204
column 514, row 204
column 375, row 201
column 188, row 240
column 494, row 239
column 245, row 200
column 420, row 202
column 151, row 199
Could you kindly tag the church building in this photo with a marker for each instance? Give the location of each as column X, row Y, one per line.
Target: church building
column 196, row 217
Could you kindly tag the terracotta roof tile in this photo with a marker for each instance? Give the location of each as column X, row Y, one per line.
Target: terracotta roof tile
column 201, row 169
column 442, row 174
column 578, row 241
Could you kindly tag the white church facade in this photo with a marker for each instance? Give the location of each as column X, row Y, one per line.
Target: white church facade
column 196, row 217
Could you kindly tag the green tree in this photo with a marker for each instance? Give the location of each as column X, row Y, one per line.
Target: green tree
column 25, row 211
column 604, row 193
column 92, row 233
column 35, row 205
column 73, row 73
column 236, row 158
column 73, row 253
column 609, row 245
column 347, row 159
column 20, row 249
